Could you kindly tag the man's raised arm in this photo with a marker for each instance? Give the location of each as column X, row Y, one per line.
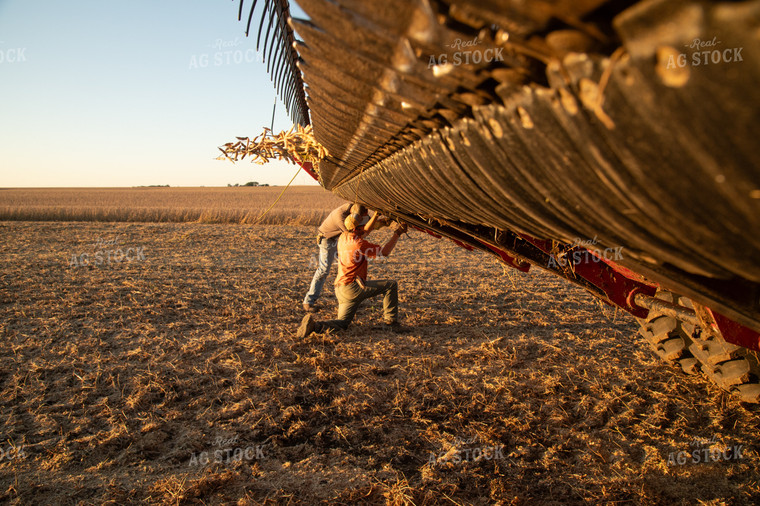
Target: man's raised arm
column 399, row 229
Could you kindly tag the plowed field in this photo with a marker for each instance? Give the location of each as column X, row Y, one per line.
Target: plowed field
column 172, row 375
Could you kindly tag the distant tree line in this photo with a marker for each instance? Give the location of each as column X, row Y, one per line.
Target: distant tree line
column 249, row 183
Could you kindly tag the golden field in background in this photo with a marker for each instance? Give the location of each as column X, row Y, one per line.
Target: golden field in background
column 300, row 205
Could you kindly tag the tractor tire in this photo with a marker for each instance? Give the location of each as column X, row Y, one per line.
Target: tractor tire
column 731, row 367
column 669, row 337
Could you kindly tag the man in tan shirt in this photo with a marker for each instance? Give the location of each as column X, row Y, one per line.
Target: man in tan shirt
column 327, row 239
column 351, row 284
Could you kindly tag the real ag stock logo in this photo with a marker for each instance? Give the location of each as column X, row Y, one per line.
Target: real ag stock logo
column 226, row 52
column 704, row 52
column 466, row 451
column 12, row 453
column 107, row 252
column 227, row 452
column 704, row 451
column 674, row 67
column 586, row 252
column 12, row 54
column 466, row 52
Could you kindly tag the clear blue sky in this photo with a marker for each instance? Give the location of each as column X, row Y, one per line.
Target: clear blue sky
column 129, row 93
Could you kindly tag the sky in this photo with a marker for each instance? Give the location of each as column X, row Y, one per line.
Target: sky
column 102, row 93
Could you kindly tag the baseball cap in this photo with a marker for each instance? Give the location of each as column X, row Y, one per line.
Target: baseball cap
column 358, row 209
column 353, row 221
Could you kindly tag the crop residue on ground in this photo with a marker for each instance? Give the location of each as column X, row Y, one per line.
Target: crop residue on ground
column 175, row 377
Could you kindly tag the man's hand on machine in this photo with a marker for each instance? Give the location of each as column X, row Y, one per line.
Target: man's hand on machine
column 399, row 228
column 382, row 221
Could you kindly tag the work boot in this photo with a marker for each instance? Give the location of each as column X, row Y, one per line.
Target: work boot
column 395, row 327
column 309, row 308
column 307, row 326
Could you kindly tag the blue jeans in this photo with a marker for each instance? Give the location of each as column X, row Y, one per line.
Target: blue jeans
column 328, row 251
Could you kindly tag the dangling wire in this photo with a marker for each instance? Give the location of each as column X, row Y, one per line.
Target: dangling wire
column 274, row 108
column 258, row 220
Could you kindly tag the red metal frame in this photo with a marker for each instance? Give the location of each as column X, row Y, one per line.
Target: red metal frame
column 507, row 258
column 439, row 236
column 309, row 168
column 619, row 288
column 736, row 333
column 618, row 284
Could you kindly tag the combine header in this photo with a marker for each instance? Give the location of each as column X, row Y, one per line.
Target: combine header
column 611, row 143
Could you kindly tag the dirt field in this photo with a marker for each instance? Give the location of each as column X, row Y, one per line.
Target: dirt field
column 175, row 377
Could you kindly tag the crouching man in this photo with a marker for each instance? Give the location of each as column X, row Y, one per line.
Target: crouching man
column 351, row 284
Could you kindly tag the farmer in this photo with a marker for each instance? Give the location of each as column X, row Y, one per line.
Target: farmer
column 327, row 239
column 351, row 284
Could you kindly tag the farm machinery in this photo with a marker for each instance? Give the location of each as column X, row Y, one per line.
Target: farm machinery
column 610, row 143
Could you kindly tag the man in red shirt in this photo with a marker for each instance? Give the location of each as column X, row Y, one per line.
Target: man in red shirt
column 351, row 284
column 327, row 239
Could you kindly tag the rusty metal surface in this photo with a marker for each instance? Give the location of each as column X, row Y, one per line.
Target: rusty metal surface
column 579, row 129
column 665, row 170
column 678, row 312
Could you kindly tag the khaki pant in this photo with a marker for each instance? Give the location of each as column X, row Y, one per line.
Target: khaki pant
column 351, row 296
